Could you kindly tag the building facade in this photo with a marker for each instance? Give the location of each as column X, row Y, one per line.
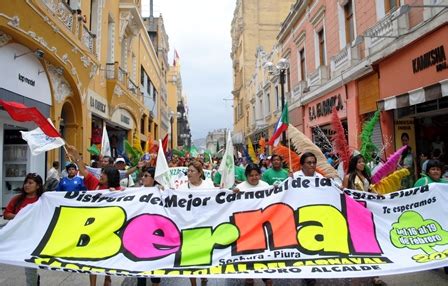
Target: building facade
column 83, row 64
column 254, row 26
column 362, row 56
column 216, row 140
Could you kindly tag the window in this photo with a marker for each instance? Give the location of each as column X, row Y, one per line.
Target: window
column 321, row 41
column 302, row 64
column 268, row 103
column 142, row 76
column 390, row 5
column 349, row 24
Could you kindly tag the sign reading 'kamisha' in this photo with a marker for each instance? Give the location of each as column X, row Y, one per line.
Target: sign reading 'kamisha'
column 324, row 107
column 435, row 57
column 303, row 228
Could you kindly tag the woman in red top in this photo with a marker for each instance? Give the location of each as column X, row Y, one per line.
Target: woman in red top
column 31, row 191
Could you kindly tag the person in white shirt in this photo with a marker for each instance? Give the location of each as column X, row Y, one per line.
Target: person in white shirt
column 54, row 171
column 308, row 161
column 196, row 178
column 253, row 180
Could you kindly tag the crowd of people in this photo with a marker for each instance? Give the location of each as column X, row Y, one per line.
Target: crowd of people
column 115, row 174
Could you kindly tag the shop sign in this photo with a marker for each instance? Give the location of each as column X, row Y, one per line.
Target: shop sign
column 25, row 74
column 123, row 118
column 97, row 104
column 324, row 107
column 435, row 57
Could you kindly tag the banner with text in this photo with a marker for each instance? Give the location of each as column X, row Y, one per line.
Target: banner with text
column 306, row 228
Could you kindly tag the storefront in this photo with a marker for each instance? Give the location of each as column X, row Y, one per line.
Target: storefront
column 416, row 101
column 119, row 128
column 99, row 110
column 24, row 81
column 318, row 117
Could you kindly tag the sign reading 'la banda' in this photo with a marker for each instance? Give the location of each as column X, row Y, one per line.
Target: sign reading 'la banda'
column 433, row 57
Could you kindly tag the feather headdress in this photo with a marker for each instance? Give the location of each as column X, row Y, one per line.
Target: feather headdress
column 339, row 140
column 303, row 144
column 389, row 166
column 284, row 152
column 391, row 183
column 367, row 146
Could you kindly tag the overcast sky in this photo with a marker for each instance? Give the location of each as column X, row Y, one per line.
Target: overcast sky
column 200, row 32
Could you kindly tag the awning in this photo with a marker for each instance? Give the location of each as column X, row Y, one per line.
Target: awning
column 416, row 96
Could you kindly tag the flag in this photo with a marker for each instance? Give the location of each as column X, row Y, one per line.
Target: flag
column 281, row 126
column 149, row 143
column 162, row 174
column 194, row 151
column 227, row 167
column 251, row 151
column 22, row 113
column 165, row 143
column 94, row 150
column 176, row 58
column 40, row 142
column 137, row 143
column 105, row 145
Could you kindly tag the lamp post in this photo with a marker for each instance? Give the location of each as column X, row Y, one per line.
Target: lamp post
column 172, row 129
column 279, row 70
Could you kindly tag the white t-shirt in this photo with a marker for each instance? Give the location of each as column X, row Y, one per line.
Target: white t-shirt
column 301, row 174
column 205, row 184
column 244, row 186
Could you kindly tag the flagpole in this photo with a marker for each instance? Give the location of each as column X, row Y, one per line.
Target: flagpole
column 289, row 153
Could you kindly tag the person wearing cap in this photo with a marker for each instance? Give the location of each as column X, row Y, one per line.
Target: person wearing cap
column 72, row 182
column 127, row 180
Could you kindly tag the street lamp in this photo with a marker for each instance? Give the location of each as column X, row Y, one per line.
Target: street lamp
column 279, row 69
column 172, row 128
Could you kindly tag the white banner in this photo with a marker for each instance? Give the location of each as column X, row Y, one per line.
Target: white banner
column 303, row 229
column 40, row 142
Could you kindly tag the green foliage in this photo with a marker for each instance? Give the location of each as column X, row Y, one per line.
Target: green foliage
column 414, row 232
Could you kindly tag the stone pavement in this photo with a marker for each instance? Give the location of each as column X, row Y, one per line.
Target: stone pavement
column 14, row 276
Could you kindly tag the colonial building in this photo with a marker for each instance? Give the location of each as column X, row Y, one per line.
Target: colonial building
column 360, row 57
column 85, row 65
column 255, row 25
column 216, row 140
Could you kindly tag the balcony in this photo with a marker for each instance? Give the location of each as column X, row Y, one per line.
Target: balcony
column 347, row 57
column 72, row 21
column 297, row 91
column 119, row 80
column 386, row 31
column 319, row 76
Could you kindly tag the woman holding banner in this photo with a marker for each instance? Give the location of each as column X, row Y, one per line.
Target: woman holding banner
column 357, row 177
column 196, row 178
column 253, row 180
column 31, row 191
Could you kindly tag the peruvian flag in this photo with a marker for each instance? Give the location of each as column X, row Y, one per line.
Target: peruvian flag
column 22, row 113
column 282, row 125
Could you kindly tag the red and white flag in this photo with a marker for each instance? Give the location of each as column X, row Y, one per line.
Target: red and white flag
column 22, row 113
column 280, row 127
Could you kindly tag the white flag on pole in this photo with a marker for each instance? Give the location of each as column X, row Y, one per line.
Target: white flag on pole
column 105, row 145
column 40, row 142
column 162, row 174
column 227, row 167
